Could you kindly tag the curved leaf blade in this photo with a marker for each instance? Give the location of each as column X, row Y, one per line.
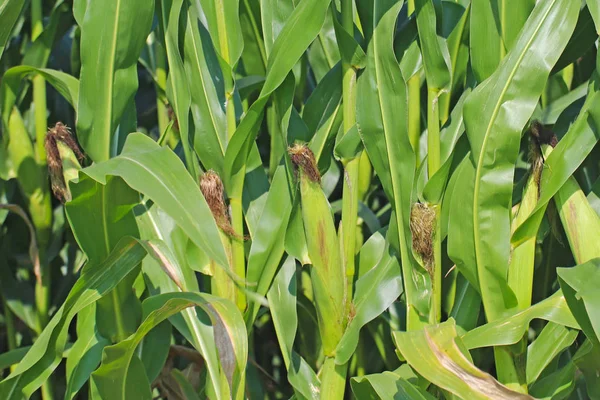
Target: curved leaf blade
column 495, row 113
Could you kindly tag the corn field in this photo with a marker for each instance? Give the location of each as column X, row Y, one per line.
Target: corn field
column 299, row 199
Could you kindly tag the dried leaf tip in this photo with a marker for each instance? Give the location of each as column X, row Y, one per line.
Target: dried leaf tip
column 422, row 227
column 212, row 188
column 304, row 158
column 60, row 133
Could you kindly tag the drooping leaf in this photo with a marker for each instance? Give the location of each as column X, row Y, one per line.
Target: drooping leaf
column 114, row 377
column 96, row 280
column 578, row 285
column 510, row 329
column 438, row 354
column 10, row 11
column 283, row 303
column 159, row 174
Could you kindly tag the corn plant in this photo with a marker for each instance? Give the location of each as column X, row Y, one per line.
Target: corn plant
column 309, row 199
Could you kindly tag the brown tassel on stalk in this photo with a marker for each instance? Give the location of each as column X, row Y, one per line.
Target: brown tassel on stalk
column 422, row 227
column 211, row 187
column 304, row 158
column 60, row 133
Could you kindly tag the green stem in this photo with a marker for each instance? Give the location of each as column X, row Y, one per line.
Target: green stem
column 221, row 284
column 235, row 197
column 235, row 203
column 237, row 246
column 39, row 88
column 433, row 165
column 510, row 365
column 414, row 103
column 333, row 380
column 40, row 207
column 9, row 322
column 351, row 173
column 161, row 79
column 433, row 132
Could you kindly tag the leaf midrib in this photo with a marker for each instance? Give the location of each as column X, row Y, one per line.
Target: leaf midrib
column 111, row 73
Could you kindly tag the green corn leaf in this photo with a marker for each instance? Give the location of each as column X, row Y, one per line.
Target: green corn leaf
column 65, row 84
column 510, row 329
column 97, row 234
column 108, row 79
column 553, row 339
column 157, row 227
column 324, row 53
column 120, row 377
column 96, row 280
column 495, row 142
column 433, row 189
column 267, row 246
column 375, row 291
column 582, row 40
column 350, row 49
column 563, row 161
column 206, row 107
column 381, row 121
column 178, row 91
column 282, row 301
column 578, row 285
column 10, row 11
column 222, row 17
column 274, row 15
column 303, row 26
column 159, row 174
column 387, row 386
column 323, row 116
column 60, row 22
column 86, row 353
column 594, row 8
column 436, row 59
column 579, row 220
column 495, row 26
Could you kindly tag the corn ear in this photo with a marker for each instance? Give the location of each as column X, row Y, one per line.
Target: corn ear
column 580, row 221
column 64, row 159
column 520, row 271
column 327, row 273
column 222, row 284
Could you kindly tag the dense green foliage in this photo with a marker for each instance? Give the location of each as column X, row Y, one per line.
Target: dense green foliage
column 299, row 198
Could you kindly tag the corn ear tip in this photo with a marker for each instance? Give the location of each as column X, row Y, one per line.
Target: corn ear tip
column 213, row 190
column 422, row 227
column 304, row 159
column 542, row 134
